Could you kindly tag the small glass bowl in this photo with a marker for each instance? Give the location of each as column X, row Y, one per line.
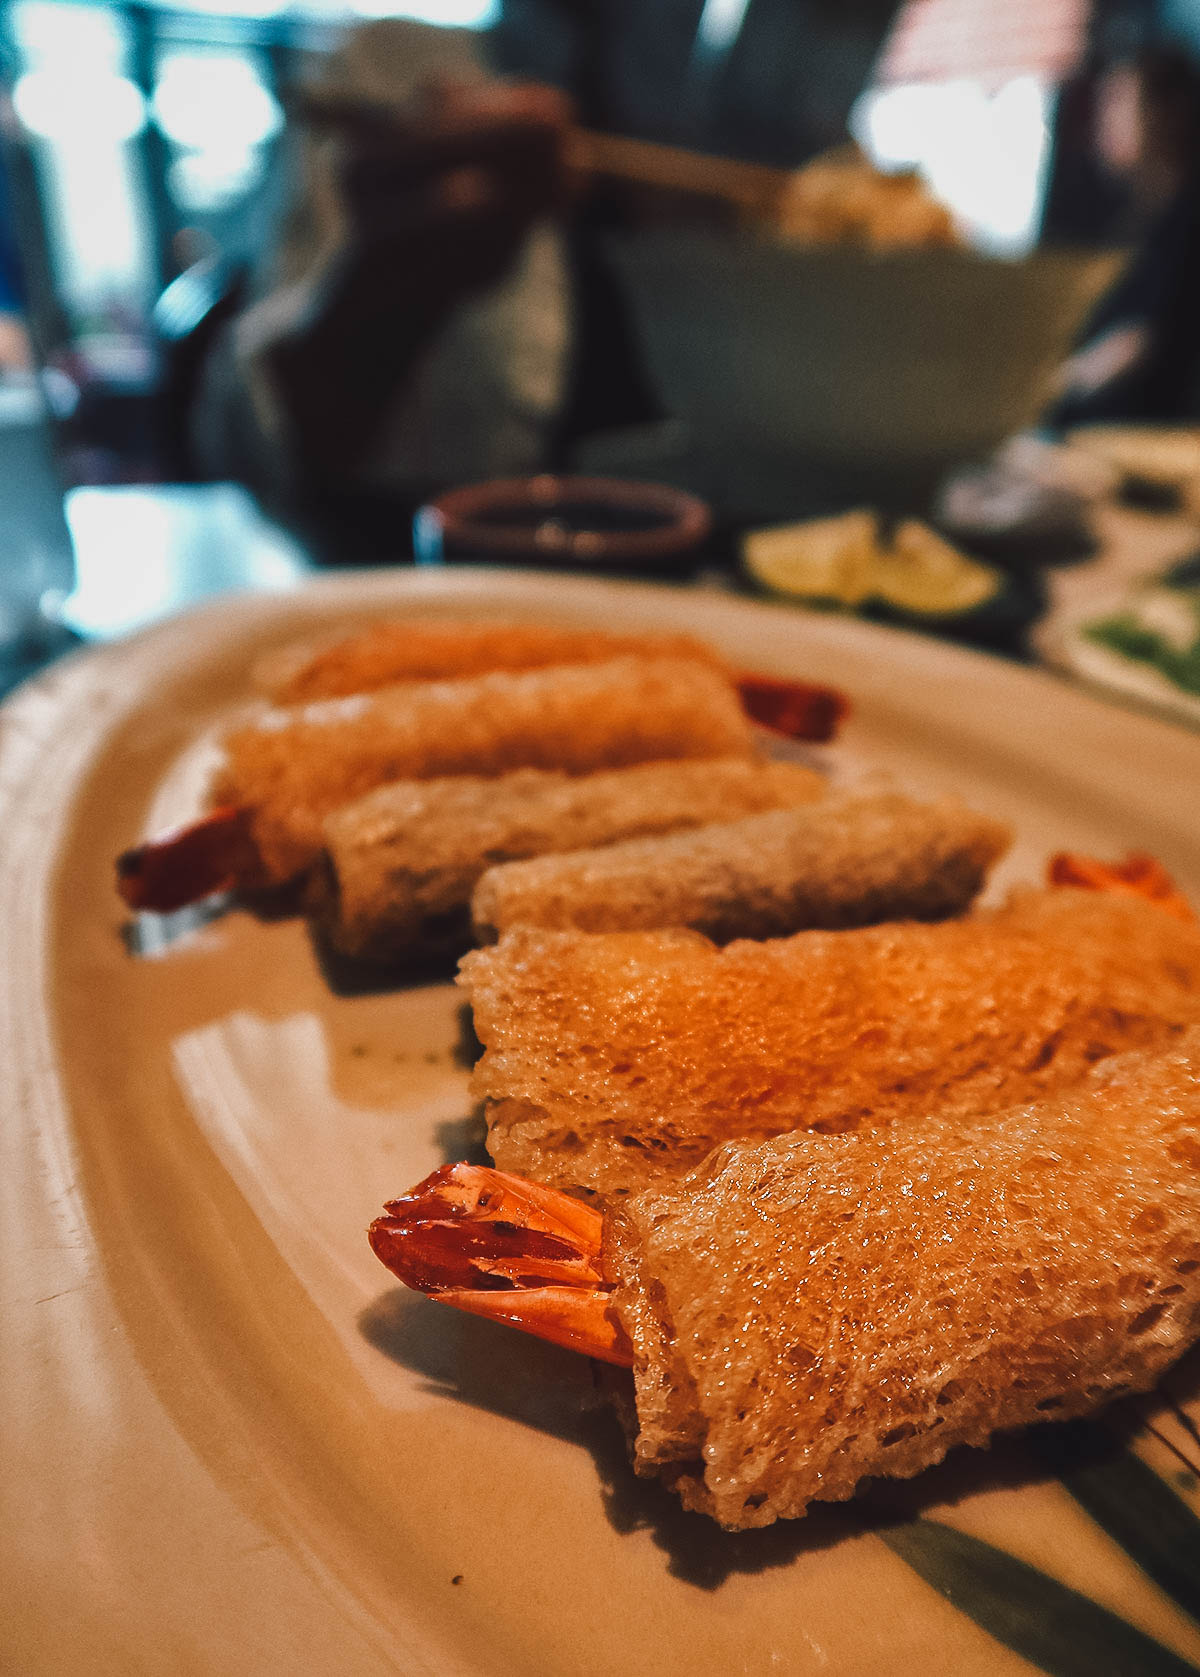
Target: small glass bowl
column 575, row 523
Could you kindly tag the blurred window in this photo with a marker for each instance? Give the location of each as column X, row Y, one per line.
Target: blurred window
column 75, row 99
column 144, row 120
column 984, row 152
column 465, row 14
column 965, row 91
column 215, row 109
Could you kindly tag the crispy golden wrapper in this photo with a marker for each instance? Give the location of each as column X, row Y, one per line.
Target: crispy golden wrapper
column 813, row 1310
column 846, row 862
column 449, row 649
column 613, row 1058
column 292, row 768
column 401, row 863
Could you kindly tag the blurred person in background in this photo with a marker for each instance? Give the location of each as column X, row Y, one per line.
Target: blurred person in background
column 1139, row 356
column 424, row 320
column 411, row 325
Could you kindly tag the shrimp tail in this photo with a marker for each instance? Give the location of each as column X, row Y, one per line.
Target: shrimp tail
column 800, row 710
column 498, row 1246
column 215, row 853
column 1138, row 875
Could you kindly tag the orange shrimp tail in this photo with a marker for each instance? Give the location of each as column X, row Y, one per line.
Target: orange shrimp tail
column 800, row 710
column 215, row 853
column 498, row 1246
column 1138, row 875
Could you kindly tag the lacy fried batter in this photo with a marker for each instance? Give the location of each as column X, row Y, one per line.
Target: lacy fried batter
column 292, row 768
column 612, row 1059
column 401, row 863
column 851, row 862
column 812, row 1310
column 450, row 649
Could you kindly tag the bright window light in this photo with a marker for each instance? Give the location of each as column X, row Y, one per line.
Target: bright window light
column 53, row 30
column 207, row 181
column 983, row 152
column 142, row 553
column 97, row 238
column 215, row 107
column 720, row 24
column 460, row 14
column 214, row 102
column 83, row 111
column 79, row 104
column 228, row 8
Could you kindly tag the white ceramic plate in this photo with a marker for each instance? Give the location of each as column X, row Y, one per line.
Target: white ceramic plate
column 233, row 1446
column 1165, row 454
column 1102, row 667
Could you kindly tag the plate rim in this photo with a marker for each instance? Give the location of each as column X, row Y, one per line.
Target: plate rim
column 34, row 712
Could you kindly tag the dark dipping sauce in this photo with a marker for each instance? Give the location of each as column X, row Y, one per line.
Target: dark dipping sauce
column 574, row 522
column 571, row 517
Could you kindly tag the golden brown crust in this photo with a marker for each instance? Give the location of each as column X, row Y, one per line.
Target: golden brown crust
column 402, row 861
column 293, row 768
column 449, row 649
column 849, row 862
column 612, row 1058
column 813, row 1310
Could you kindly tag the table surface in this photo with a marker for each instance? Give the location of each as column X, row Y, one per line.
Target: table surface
column 144, row 552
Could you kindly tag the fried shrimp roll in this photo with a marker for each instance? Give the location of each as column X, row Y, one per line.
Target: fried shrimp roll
column 806, row 1312
column 813, row 1310
column 400, row 864
column 292, row 768
column 614, row 1058
column 450, row 649
column 847, row 862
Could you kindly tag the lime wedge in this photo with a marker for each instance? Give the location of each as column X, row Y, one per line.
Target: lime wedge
column 924, row 575
column 823, row 559
column 841, row 560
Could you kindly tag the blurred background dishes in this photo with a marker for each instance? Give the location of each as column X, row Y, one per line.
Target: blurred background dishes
column 892, row 571
column 792, row 260
column 586, row 523
column 1144, row 645
column 840, row 374
column 1150, row 461
column 1032, row 503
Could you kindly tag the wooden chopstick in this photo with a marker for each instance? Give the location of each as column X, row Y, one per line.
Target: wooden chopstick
column 752, row 186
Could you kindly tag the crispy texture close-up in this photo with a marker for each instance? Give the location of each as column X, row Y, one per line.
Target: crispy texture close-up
column 614, row 1058
column 847, row 862
column 448, row 649
column 400, row 864
column 812, row 1310
column 291, row 768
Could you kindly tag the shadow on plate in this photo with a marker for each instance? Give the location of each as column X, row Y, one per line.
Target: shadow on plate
column 467, row 1049
column 463, row 1140
column 346, row 976
column 488, row 1366
column 152, row 934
